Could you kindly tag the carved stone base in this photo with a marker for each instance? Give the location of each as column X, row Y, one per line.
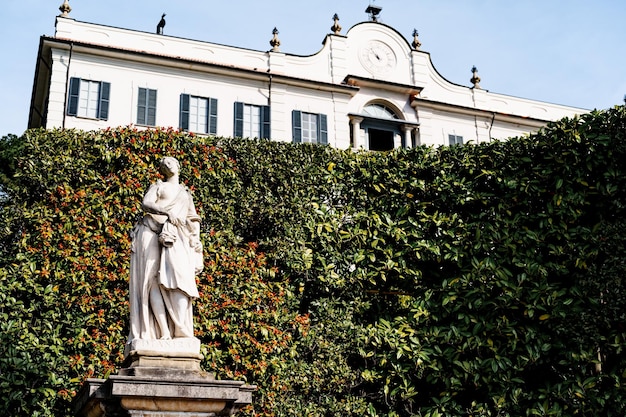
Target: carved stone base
column 176, row 358
column 184, row 346
column 162, row 378
column 122, row 396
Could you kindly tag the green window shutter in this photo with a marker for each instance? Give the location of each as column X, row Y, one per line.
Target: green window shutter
column 265, row 122
column 212, row 116
column 103, row 104
column 322, row 126
column 141, row 106
column 184, row 112
column 296, row 123
column 72, row 103
column 152, row 100
column 238, row 124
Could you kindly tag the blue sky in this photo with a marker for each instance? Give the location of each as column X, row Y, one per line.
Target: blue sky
column 567, row 52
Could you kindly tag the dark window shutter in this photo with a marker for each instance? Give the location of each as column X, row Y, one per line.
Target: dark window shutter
column 141, row 106
column 322, row 135
column 212, row 116
column 72, row 103
column 152, row 100
column 184, row 111
column 265, row 122
column 238, row 124
column 103, row 105
column 296, row 122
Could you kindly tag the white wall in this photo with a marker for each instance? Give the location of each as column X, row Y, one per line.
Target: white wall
column 130, row 59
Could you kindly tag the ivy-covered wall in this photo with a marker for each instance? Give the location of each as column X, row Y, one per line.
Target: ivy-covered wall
column 477, row 280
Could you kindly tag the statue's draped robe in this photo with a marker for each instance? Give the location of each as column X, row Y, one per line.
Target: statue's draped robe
column 172, row 268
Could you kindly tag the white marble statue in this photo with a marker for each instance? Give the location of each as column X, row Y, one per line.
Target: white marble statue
column 166, row 255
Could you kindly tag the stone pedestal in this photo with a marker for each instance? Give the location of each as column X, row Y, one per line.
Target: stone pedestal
column 162, row 379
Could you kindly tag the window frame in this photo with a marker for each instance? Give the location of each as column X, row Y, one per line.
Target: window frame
column 264, row 121
column 309, row 127
column 210, row 122
column 75, row 99
column 454, row 139
column 146, row 111
column 321, row 130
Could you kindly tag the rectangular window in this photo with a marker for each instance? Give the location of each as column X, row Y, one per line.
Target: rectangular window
column 455, row 140
column 198, row 114
column 251, row 121
column 251, row 125
column 309, row 127
column 146, row 107
column 88, row 98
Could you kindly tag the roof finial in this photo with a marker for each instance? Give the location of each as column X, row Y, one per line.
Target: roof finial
column 373, row 11
column 336, row 28
column 475, row 78
column 416, row 43
column 65, row 9
column 275, row 42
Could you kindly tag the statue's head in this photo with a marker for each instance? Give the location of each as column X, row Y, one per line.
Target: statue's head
column 169, row 166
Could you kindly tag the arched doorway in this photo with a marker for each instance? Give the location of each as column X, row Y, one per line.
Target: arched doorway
column 380, row 123
column 381, row 127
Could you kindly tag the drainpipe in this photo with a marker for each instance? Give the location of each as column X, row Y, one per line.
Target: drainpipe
column 269, row 93
column 269, row 104
column 493, row 119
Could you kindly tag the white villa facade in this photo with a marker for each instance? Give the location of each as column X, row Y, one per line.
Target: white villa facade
column 369, row 88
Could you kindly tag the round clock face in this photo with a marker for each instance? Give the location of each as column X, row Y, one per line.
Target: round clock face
column 377, row 57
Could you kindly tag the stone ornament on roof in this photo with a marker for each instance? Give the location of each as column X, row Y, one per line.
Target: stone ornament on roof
column 65, row 9
column 416, row 43
column 336, row 28
column 475, row 78
column 275, row 42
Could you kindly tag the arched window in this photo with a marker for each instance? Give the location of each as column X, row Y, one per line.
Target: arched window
column 381, row 126
column 380, row 111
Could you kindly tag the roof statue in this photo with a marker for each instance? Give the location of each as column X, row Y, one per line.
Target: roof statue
column 161, row 25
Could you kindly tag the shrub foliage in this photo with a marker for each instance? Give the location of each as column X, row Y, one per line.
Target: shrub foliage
column 477, row 280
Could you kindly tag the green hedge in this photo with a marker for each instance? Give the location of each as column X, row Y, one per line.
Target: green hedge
column 477, row 280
